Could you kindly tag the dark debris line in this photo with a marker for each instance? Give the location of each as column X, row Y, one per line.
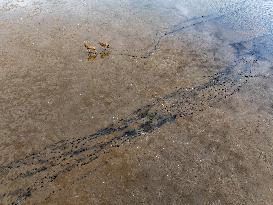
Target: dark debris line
column 183, row 25
column 178, row 28
column 44, row 167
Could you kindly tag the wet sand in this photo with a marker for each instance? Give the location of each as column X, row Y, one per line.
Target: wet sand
column 178, row 110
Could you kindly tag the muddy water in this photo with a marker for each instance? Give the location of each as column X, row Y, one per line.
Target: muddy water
column 179, row 111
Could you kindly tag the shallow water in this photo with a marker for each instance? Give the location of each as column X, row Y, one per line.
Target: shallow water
column 178, row 110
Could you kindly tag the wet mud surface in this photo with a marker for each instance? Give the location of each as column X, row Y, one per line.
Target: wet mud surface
column 179, row 110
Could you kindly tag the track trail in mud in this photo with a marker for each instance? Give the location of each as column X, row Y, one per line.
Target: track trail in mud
column 44, row 167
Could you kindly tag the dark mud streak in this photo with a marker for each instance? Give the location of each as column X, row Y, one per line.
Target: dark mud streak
column 57, row 159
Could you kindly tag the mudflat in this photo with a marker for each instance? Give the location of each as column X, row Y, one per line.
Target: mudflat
column 136, row 102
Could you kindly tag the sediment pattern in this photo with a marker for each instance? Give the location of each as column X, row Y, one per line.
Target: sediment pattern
column 56, row 159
